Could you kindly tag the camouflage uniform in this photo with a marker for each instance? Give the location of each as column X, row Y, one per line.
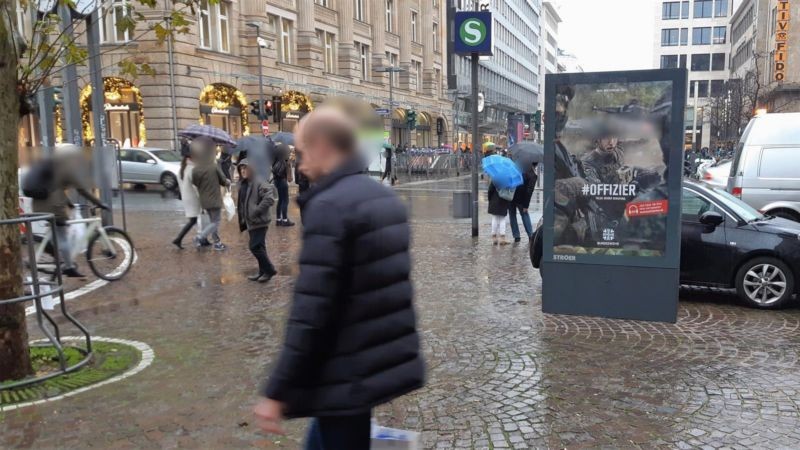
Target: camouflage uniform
column 603, row 166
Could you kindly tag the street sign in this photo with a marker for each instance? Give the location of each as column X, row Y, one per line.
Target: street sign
column 473, row 33
column 382, row 112
column 265, row 127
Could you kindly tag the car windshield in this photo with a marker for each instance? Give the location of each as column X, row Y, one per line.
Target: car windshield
column 742, row 209
column 167, row 155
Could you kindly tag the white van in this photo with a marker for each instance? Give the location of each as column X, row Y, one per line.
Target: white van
column 766, row 168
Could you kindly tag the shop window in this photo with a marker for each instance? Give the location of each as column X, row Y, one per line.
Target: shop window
column 214, row 25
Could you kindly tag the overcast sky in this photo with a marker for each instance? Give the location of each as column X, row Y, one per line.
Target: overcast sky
column 608, row 34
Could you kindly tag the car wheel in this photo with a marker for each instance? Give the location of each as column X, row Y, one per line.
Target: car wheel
column 765, row 282
column 169, row 181
column 785, row 214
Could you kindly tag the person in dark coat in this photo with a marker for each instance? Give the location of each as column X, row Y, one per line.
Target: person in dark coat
column 255, row 200
column 280, row 176
column 521, row 203
column 498, row 209
column 351, row 340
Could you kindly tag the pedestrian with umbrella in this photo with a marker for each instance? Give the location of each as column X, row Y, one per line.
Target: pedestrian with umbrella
column 527, row 155
column 504, row 177
column 281, row 171
column 208, row 178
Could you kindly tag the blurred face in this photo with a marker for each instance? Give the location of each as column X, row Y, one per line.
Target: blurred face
column 608, row 143
column 316, row 154
column 247, row 172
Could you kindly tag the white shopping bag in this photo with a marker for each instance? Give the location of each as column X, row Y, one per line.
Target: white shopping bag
column 384, row 438
column 230, row 206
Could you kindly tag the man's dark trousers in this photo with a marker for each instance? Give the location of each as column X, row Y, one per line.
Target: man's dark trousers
column 258, row 247
column 340, row 433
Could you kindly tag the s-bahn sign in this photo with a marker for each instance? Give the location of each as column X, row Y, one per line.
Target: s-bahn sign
column 473, row 33
column 781, row 40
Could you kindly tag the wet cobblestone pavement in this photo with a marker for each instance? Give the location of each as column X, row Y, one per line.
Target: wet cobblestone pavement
column 501, row 374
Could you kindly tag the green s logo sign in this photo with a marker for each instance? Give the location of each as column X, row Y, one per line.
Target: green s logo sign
column 472, row 32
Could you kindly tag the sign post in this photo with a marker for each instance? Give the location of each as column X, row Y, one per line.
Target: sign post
column 474, row 37
column 613, row 165
column 265, row 127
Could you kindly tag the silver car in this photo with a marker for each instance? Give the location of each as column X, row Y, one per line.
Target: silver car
column 716, row 173
column 150, row 166
column 765, row 172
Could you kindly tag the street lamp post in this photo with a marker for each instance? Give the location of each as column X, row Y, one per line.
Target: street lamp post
column 257, row 26
column 391, row 70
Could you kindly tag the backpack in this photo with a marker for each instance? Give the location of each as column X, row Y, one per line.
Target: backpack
column 37, row 183
column 506, row 193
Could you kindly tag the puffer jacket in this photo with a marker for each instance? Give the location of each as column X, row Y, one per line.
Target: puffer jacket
column 351, row 339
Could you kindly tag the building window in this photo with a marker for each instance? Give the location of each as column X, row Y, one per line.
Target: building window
column 328, row 41
column 684, row 10
column 720, row 35
column 436, row 37
column 669, row 61
column 214, row 26
column 717, row 88
column 364, row 53
column 222, row 26
column 418, row 74
column 360, row 14
column 701, row 36
column 702, row 9
column 325, row 3
column 414, row 34
column 682, row 62
column 286, row 40
column 392, row 59
column 669, row 37
column 670, row 10
column 721, row 8
column 701, row 62
column 702, row 88
column 205, row 24
column 718, row 61
column 684, row 36
column 112, row 13
column 389, row 15
column 437, row 82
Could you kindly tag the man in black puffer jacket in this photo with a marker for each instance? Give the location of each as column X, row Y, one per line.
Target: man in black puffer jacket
column 351, row 340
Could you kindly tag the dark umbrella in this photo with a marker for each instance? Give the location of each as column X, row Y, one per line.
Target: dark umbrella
column 259, row 152
column 196, row 130
column 283, row 137
column 526, row 153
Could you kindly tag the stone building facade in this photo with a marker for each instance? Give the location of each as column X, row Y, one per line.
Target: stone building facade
column 311, row 50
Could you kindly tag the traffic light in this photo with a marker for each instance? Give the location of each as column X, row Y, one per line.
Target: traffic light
column 57, row 97
column 411, row 119
column 537, row 121
column 267, row 109
column 255, row 110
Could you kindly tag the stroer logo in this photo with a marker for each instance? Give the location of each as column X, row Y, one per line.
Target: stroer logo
column 473, row 32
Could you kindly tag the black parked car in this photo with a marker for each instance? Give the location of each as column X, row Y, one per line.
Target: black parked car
column 726, row 243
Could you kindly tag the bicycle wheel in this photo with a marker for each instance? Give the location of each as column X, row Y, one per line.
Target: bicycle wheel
column 110, row 259
column 46, row 263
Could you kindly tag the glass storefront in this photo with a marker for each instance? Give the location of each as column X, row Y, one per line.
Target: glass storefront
column 224, row 106
column 123, row 105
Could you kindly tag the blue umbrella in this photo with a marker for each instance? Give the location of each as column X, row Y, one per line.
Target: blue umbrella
column 504, row 172
column 283, row 137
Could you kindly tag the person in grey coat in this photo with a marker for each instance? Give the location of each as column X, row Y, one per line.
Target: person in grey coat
column 208, row 178
column 256, row 198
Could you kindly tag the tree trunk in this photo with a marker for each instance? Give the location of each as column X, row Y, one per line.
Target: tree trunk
column 14, row 355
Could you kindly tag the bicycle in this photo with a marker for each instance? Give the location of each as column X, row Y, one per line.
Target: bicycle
column 109, row 250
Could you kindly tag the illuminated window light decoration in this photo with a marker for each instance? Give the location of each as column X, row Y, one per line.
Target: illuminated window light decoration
column 114, row 88
column 296, row 101
column 223, row 96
